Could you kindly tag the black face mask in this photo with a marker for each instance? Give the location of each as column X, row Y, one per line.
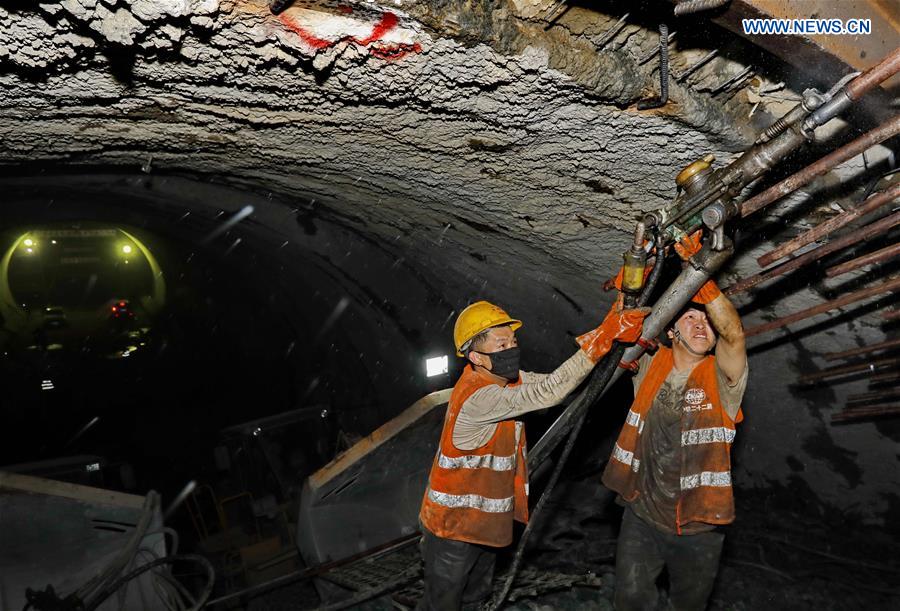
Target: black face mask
column 504, row 363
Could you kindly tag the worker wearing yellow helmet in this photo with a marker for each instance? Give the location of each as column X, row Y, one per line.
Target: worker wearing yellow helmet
column 478, row 483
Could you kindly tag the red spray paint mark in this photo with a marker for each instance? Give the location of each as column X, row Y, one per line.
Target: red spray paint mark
column 381, row 29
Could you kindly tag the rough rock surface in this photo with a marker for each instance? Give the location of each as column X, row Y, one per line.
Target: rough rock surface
column 469, row 137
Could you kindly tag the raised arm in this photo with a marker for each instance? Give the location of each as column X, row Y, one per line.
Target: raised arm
column 731, row 349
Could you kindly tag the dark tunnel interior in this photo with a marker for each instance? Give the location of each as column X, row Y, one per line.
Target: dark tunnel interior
column 236, row 237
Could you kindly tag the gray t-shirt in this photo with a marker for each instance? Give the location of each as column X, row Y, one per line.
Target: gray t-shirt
column 659, row 478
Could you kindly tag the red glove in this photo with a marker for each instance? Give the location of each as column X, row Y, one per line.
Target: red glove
column 707, row 293
column 689, row 245
column 619, row 325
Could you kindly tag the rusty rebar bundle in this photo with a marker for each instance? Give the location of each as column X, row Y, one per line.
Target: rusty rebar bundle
column 889, row 286
column 886, row 130
column 888, row 253
column 864, row 233
column 833, row 356
column 818, row 232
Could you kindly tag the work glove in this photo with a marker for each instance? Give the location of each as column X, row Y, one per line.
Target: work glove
column 689, row 245
column 707, row 293
column 623, row 325
column 687, row 248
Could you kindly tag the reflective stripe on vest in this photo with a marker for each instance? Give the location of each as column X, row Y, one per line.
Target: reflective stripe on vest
column 716, row 434
column 716, row 479
column 473, row 495
column 707, row 434
column 624, row 456
column 634, row 419
column 471, row 501
column 486, row 461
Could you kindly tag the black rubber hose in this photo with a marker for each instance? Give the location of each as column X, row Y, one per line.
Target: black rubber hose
column 118, row 583
column 599, row 378
column 277, row 6
column 597, row 383
column 663, row 72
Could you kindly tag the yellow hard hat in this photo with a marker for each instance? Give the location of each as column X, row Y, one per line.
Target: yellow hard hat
column 476, row 318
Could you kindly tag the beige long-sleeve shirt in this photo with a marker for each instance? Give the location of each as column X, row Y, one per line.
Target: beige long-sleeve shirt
column 493, row 403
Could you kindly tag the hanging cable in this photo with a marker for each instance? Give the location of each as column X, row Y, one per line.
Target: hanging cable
column 597, row 382
column 111, row 589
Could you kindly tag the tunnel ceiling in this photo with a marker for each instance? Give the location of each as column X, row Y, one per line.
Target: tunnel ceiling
column 499, row 154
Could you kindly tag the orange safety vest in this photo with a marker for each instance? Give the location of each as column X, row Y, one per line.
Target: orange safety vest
column 474, row 495
column 707, row 433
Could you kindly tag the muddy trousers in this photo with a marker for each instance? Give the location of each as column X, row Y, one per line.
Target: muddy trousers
column 455, row 573
column 692, row 562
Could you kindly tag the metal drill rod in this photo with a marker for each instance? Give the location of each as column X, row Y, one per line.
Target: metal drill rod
column 888, row 129
column 761, row 157
column 707, row 262
column 831, row 225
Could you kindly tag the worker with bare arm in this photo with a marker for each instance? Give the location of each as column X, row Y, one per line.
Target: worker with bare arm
column 478, row 483
column 671, row 464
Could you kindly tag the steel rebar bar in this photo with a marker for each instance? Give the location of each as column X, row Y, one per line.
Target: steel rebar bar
column 845, row 416
column 875, row 394
column 886, row 130
column 830, row 226
column 891, row 314
column 833, row 356
column 700, row 63
column 883, row 255
column 842, row 370
column 651, row 54
column 885, row 376
column 611, row 33
column 733, row 81
column 887, row 286
column 874, row 76
column 863, row 233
